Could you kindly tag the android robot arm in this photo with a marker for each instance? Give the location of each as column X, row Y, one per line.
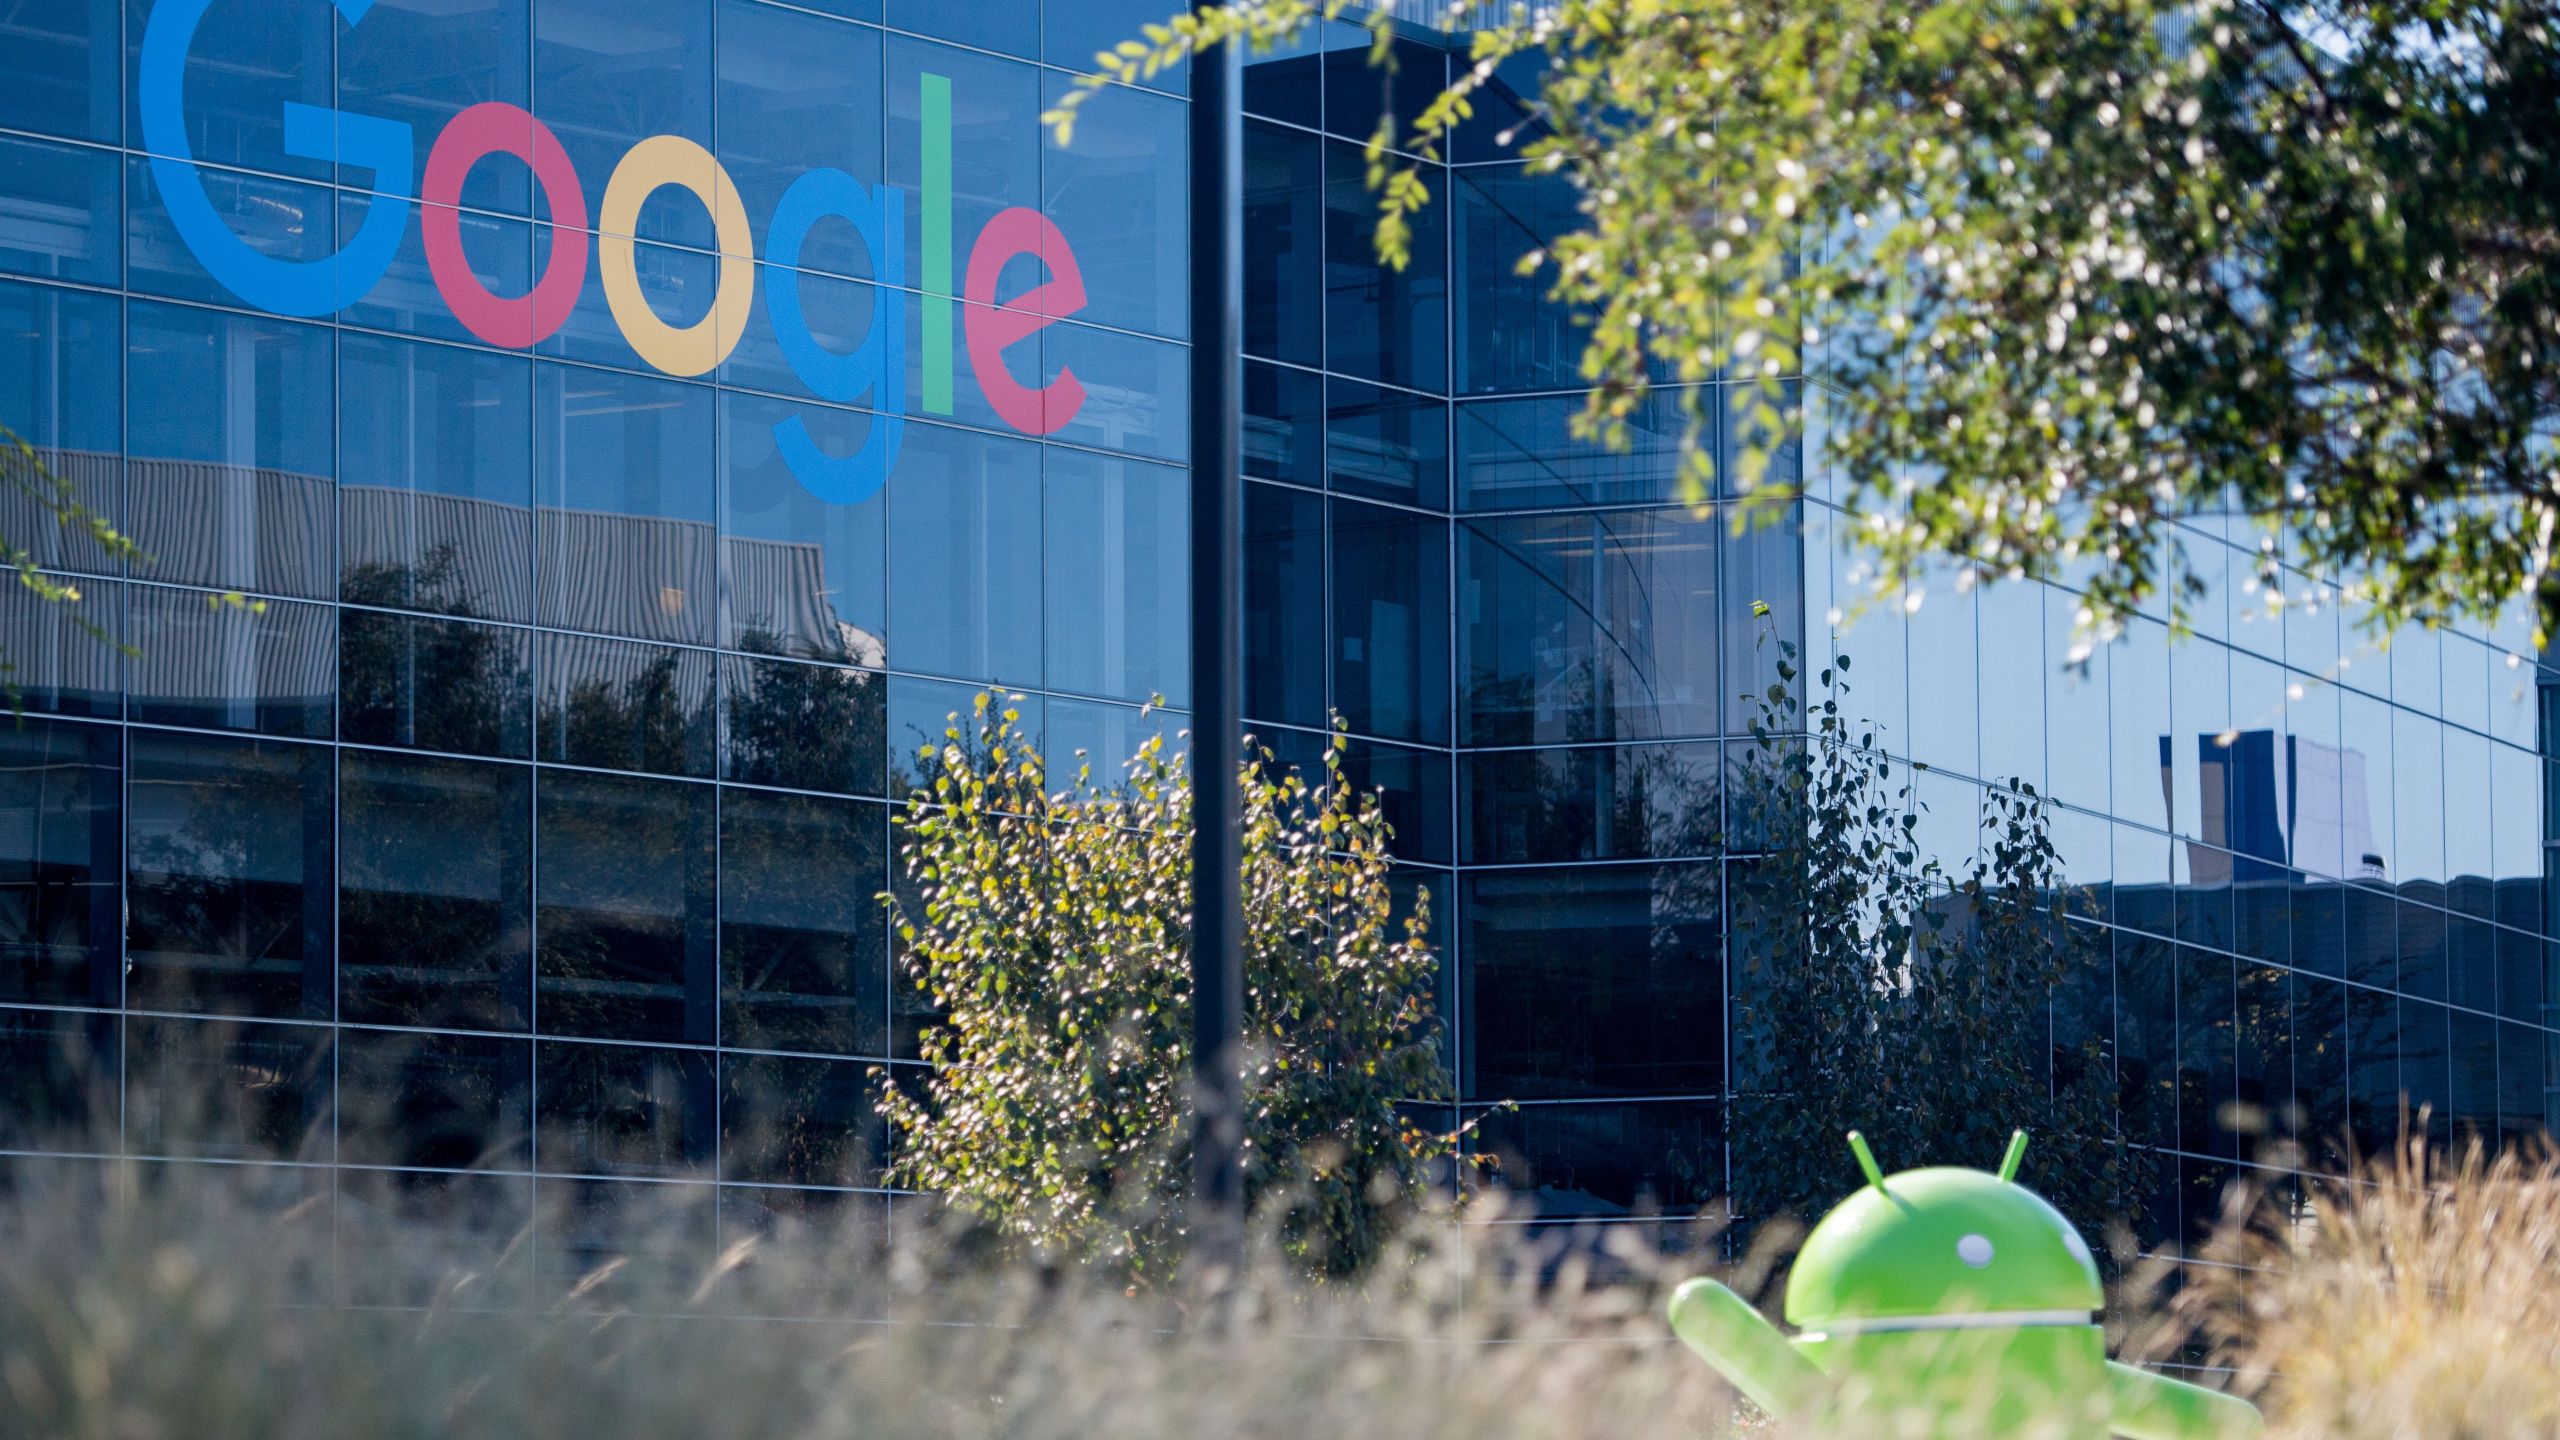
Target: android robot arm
column 1744, row 1348
column 2154, row 1407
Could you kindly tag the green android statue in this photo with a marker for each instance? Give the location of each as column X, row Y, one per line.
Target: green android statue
column 1945, row 1302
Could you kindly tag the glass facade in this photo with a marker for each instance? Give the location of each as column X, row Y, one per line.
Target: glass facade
column 649, row 420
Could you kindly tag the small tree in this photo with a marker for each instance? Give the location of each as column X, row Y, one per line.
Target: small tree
column 1875, row 991
column 1051, row 929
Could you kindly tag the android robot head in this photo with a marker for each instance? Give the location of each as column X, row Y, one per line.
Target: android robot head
column 1927, row 1245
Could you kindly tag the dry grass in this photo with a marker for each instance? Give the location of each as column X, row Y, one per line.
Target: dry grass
column 2421, row 1299
column 2418, row 1297
column 168, row 1307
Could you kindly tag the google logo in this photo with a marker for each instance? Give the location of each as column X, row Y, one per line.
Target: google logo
column 875, row 367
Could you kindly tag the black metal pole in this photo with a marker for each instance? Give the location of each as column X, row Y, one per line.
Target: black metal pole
column 1217, row 667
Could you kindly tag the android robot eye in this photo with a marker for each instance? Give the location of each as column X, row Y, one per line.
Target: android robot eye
column 1974, row 1250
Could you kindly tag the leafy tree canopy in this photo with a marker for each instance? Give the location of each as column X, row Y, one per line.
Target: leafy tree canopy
column 2065, row 269
column 1047, row 918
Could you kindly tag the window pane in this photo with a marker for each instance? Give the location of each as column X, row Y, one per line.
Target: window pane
column 803, row 938
column 1012, row 26
column 795, row 1120
column 446, row 1102
column 62, row 390
column 1283, row 424
column 1108, row 735
column 1521, row 454
column 1136, row 391
column 1073, row 34
column 1592, row 803
column 62, row 654
column 964, row 546
column 798, row 92
column 625, row 476
column 61, row 211
column 1571, row 1161
column 804, row 727
column 1416, row 797
column 922, row 713
column 61, row 908
column 619, row 706
column 231, row 884
column 1358, row 94
column 436, row 902
column 66, row 69
column 247, row 63
column 1390, row 608
column 232, row 461
column 993, row 108
column 227, row 1089
column 271, row 669
column 626, row 909
column 1287, row 82
column 59, row 1080
column 1382, row 323
column 1283, row 244
column 1386, row 445
column 1590, row 627
column 435, row 501
column 1120, row 193
column 290, row 220
column 610, row 73
column 434, row 684
column 624, row 1109
column 423, row 64
column 1118, row 575
column 1284, row 609
column 1593, row 982
column 805, row 578
column 1510, row 335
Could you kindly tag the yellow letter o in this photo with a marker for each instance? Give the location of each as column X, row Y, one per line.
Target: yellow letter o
column 678, row 350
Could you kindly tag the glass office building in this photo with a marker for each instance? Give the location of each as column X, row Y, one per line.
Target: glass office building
column 635, row 424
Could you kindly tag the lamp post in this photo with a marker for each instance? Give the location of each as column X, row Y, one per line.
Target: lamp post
column 1217, row 667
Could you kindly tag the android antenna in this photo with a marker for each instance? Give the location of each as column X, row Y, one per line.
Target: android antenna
column 1866, row 1159
column 2017, row 1152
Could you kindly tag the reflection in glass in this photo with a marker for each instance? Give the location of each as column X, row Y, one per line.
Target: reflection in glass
column 271, row 668
column 1122, row 190
column 803, row 577
column 1593, row 982
column 799, row 1120
column 1510, row 336
column 1358, row 94
column 1522, row 454
column 1136, row 391
column 1596, row 802
column 1283, row 244
column 1589, row 627
column 435, row 905
column 61, row 899
column 1118, row 577
column 625, row 470
column 1382, row 323
column 620, row 706
column 62, row 654
column 803, row 727
column 434, row 684
column 58, row 1078
column 1283, row 423
column 227, row 1089
column 620, row 1244
column 924, row 713
column 797, row 93
column 62, row 390
column 1284, row 606
column 232, row 461
column 609, row 73
column 1385, row 445
column 231, row 894
column 61, row 212
column 435, row 500
column 1415, row 796
column 1606, row 1161
column 1391, row 633
column 626, row 909
column 1106, row 736
column 623, row 1109
column 964, row 545
column 803, row 938
column 65, row 64
column 445, row 1102
column 292, row 220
